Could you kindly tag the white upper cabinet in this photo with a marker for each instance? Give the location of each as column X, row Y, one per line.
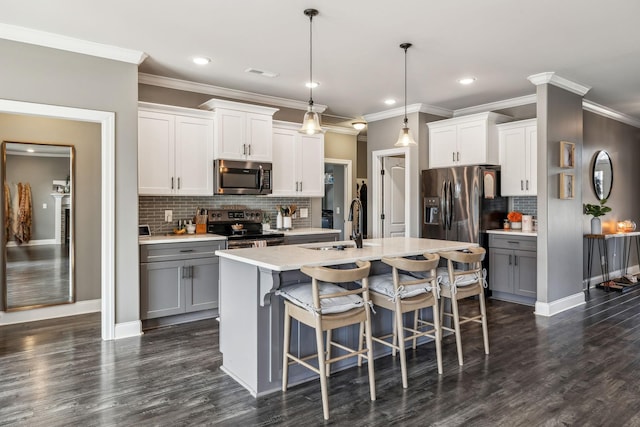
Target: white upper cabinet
column 518, row 158
column 175, row 151
column 467, row 140
column 243, row 131
column 298, row 162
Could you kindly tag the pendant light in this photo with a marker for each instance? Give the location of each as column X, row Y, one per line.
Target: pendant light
column 311, row 121
column 405, row 139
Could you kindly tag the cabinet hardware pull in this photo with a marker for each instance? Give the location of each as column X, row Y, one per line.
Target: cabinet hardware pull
column 515, row 260
column 453, row 156
column 172, row 183
column 178, row 183
column 521, row 185
column 509, row 259
column 458, row 156
column 300, row 185
column 527, row 185
column 191, row 271
column 513, row 242
column 244, row 149
column 186, row 250
column 249, row 149
column 296, row 185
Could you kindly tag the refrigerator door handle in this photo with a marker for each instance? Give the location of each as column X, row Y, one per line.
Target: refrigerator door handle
column 450, row 200
column 443, row 205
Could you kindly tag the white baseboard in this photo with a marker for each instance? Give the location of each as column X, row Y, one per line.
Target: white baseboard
column 554, row 307
column 54, row 311
column 128, row 329
column 12, row 244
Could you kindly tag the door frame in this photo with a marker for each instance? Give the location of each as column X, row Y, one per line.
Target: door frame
column 348, row 190
column 107, row 223
column 377, row 158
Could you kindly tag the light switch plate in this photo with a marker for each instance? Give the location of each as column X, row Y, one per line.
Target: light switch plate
column 304, row 212
column 168, row 215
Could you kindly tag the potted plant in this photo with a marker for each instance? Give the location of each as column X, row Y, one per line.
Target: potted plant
column 596, row 211
column 515, row 218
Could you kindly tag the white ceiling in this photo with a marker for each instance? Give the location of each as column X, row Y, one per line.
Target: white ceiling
column 357, row 58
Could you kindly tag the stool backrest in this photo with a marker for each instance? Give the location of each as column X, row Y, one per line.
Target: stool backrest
column 334, row 275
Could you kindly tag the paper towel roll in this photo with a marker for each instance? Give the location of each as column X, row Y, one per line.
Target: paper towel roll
column 527, row 223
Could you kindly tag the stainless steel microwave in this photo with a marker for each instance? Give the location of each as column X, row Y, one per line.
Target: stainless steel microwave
column 240, row 177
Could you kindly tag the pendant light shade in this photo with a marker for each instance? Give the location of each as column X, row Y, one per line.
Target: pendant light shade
column 405, row 138
column 311, row 121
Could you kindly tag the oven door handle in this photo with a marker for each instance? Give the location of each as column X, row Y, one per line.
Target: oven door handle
column 261, row 178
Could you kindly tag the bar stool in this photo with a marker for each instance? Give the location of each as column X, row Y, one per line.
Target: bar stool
column 323, row 305
column 463, row 277
column 402, row 293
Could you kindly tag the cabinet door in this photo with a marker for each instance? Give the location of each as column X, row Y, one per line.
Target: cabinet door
column 201, row 288
column 283, row 175
column 310, row 165
column 525, row 270
column 161, row 289
column 501, row 271
column 442, row 147
column 472, row 143
column 230, row 142
column 259, row 137
column 531, row 135
column 194, row 156
column 156, row 139
column 513, row 161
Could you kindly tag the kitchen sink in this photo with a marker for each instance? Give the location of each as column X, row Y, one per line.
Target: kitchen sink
column 339, row 246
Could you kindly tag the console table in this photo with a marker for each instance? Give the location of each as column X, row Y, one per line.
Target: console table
column 603, row 252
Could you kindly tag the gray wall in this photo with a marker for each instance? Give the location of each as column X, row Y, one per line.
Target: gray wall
column 622, row 142
column 39, row 173
column 560, row 221
column 49, row 76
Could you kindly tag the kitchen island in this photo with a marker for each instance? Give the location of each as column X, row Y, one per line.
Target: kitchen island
column 251, row 315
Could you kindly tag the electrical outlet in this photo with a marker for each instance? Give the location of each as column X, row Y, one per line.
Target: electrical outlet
column 337, row 210
column 44, row 206
column 168, row 216
column 304, row 212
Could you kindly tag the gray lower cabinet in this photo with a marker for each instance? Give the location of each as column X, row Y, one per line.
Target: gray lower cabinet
column 513, row 262
column 311, row 238
column 177, row 278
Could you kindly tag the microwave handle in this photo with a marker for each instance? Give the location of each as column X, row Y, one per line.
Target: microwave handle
column 261, row 178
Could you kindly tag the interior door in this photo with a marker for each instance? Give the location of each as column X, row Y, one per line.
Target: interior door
column 393, row 184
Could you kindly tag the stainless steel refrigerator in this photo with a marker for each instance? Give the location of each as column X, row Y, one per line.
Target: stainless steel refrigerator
column 460, row 203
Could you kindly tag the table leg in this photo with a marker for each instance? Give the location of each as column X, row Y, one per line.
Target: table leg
column 602, row 247
column 590, row 262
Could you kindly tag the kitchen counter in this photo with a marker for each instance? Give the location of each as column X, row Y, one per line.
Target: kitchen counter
column 249, row 307
column 304, row 231
column 178, row 238
column 513, row 232
column 292, row 257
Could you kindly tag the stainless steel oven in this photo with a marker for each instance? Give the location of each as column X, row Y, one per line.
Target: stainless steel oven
column 243, row 228
column 240, row 177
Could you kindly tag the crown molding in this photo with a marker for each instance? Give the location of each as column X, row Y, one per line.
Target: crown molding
column 554, row 79
column 413, row 108
column 279, row 124
column 171, row 83
column 70, row 44
column 213, row 104
column 609, row 113
column 498, row 105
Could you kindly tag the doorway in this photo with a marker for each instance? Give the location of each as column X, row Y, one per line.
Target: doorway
column 107, row 219
column 392, row 192
column 338, row 192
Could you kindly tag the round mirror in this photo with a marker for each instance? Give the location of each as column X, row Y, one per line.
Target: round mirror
column 602, row 175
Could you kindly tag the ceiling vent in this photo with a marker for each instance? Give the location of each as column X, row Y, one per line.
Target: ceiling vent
column 261, row 72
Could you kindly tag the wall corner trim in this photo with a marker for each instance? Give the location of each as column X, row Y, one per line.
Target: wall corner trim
column 554, row 307
column 70, row 44
column 551, row 77
column 128, row 329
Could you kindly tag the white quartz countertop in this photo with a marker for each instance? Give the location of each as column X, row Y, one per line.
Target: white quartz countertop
column 292, row 257
column 306, row 231
column 513, row 232
column 178, row 238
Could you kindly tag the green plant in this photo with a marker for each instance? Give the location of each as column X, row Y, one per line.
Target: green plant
column 596, row 210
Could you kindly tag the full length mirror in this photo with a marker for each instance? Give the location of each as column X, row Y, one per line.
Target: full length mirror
column 38, row 225
column 602, row 175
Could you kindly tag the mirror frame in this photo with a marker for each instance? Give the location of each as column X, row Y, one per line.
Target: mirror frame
column 607, row 193
column 72, row 270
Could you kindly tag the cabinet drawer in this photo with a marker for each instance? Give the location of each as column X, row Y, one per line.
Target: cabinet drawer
column 179, row 251
column 525, row 243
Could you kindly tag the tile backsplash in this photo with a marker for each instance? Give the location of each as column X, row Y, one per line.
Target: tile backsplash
column 527, row 205
column 184, row 207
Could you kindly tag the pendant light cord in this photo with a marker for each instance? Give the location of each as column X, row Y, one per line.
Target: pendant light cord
column 405, row 84
column 311, row 60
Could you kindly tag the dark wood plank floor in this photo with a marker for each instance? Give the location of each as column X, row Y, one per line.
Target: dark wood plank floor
column 581, row 368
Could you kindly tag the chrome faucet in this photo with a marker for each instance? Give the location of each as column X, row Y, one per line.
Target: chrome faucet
column 357, row 224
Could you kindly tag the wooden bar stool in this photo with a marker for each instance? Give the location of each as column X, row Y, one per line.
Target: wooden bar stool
column 323, row 305
column 402, row 293
column 463, row 277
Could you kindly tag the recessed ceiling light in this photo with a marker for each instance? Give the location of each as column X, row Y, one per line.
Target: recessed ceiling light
column 466, row 80
column 312, row 85
column 201, row 60
column 389, row 101
column 31, row 150
column 259, row 72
